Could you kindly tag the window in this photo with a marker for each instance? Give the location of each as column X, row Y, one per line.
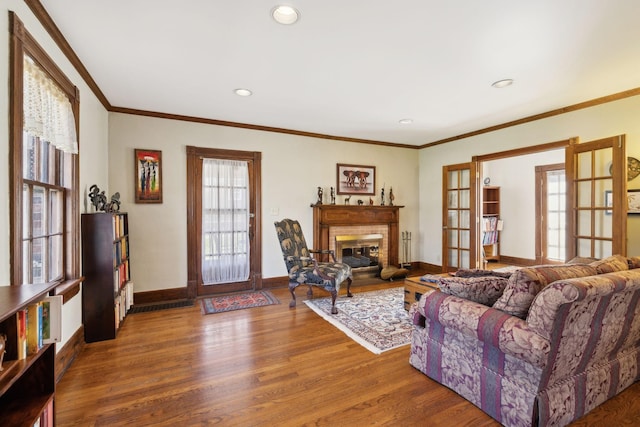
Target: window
column 44, row 166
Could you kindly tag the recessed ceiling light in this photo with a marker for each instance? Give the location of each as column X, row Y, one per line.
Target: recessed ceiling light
column 502, row 83
column 285, row 15
column 243, row 92
column 405, row 121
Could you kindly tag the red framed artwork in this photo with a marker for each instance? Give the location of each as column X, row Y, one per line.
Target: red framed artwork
column 148, row 174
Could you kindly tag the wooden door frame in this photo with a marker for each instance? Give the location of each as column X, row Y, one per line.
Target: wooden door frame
column 541, row 210
column 194, row 216
column 472, row 213
column 619, row 191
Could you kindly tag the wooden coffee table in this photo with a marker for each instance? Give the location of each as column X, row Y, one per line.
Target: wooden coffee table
column 414, row 288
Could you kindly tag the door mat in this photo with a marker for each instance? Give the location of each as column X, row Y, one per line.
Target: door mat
column 237, row 302
column 161, row 306
column 376, row 320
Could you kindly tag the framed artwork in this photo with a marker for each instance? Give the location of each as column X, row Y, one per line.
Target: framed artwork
column 633, row 199
column 148, row 174
column 356, row 179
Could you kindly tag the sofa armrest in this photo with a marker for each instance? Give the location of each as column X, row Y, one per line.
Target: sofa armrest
column 510, row 334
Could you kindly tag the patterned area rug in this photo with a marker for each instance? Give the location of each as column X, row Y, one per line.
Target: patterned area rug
column 376, row 320
column 237, row 302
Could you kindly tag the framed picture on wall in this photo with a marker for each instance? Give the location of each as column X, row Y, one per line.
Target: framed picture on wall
column 148, row 174
column 633, row 199
column 356, row 179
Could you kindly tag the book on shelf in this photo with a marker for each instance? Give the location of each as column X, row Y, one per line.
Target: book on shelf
column 21, row 324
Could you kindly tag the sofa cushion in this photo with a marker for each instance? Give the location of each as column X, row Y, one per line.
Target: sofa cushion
column 525, row 284
column 611, row 264
column 634, row 262
column 482, row 289
column 474, row 272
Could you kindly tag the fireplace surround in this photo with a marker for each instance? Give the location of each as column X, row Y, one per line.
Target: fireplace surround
column 330, row 221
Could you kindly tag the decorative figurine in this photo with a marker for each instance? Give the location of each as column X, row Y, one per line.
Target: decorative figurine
column 346, row 200
column 382, row 196
column 370, row 201
column 319, row 196
column 360, row 202
column 333, row 196
column 391, row 196
column 99, row 200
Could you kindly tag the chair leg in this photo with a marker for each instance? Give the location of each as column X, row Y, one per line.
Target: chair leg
column 310, row 292
column 349, row 294
column 292, row 288
column 334, row 295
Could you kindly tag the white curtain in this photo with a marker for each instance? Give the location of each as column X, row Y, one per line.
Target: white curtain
column 225, row 221
column 48, row 114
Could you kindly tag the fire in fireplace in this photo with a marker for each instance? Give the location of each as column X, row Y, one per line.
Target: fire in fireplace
column 361, row 252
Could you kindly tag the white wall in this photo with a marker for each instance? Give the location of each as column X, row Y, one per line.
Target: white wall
column 614, row 118
column 93, row 139
column 292, row 169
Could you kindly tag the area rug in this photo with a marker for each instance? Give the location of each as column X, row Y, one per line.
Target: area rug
column 376, row 320
column 237, row 302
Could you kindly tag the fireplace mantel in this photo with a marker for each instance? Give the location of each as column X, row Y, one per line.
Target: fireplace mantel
column 326, row 216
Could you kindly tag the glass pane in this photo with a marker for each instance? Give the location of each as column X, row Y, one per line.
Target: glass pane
column 584, row 223
column 584, row 194
column 603, row 248
column 55, row 257
column 584, row 165
column 453, row 219
column 465, row 178
column 55, row 211
column 464, row 259
column 452, row 238
column 603, row 160
column 465, row 221
column 26, row 265
column 465, row 239
column 602, row 186
column 452, row 199
column 38, row 259
column 453, row 257
column 603, row 225
column 465, row 199
column 28, row 157
column 453, row 179
column 26, row 212
column 39, row 212
column 584, row 248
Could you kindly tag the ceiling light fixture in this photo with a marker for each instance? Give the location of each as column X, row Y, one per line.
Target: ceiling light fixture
column 502, row 83
column 285, row 15
column 405, row 121
column 243, row 92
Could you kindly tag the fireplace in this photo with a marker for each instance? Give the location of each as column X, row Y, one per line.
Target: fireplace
column 362, row 252
column 331, row 221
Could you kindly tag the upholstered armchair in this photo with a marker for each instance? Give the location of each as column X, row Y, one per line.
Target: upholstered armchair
column 304, row 269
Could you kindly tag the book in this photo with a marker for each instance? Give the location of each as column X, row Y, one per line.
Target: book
column 21, row 324
column 52, row 319
column 34, row 333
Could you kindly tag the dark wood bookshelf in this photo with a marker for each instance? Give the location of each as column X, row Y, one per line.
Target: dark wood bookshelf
column 105, row 264
column 27, row 386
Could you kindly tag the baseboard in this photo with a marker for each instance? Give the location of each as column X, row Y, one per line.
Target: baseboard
column 275, row 282
column 68, row 353
column 517, row 261
column 429, row 268
column 162, row 295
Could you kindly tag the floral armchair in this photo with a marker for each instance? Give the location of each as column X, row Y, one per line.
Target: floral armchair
column 303, row 269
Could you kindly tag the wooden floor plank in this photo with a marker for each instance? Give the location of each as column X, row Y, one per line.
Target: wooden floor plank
column 264, row 366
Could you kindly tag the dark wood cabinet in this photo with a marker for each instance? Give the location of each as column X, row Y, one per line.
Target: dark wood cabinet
column 27, row 383
column 107, row 292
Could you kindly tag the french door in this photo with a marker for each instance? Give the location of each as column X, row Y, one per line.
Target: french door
column 551, row 214
column 223, row 207
column 458, row 217
column 596, row 198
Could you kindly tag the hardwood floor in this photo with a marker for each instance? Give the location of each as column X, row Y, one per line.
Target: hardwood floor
column 267, row 366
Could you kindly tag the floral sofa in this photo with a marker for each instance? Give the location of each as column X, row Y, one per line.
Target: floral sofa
column 547, row 345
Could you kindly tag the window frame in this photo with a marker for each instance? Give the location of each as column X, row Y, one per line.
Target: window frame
column 22, row 43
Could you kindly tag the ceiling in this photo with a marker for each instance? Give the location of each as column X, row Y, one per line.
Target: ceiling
column 353, row 69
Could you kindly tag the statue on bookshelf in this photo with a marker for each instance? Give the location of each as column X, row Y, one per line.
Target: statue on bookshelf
column 99, row 200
